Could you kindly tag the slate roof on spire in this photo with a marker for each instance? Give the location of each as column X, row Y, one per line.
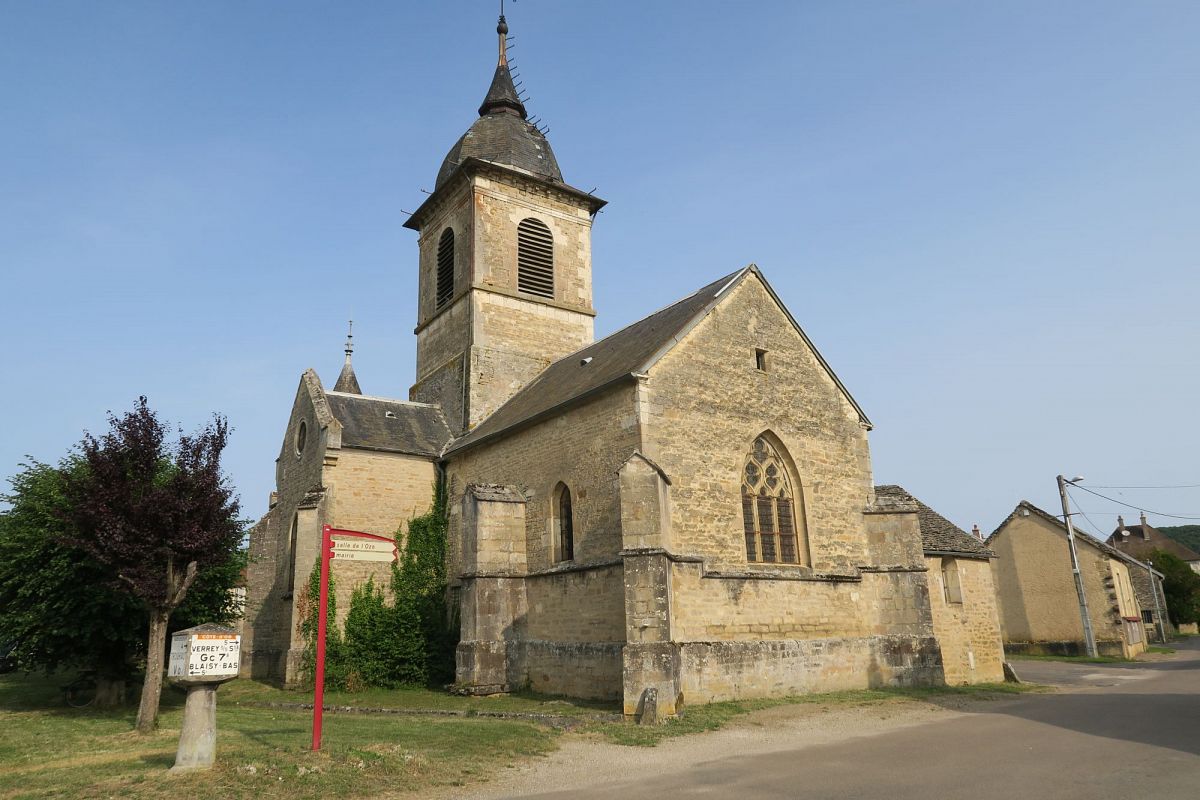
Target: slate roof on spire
column 347, row 382
column 503, row 134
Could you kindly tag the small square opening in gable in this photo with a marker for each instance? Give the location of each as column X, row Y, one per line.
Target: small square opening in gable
column 760, row 359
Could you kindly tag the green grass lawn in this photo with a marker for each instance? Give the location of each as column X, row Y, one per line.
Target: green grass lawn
column 49, row 750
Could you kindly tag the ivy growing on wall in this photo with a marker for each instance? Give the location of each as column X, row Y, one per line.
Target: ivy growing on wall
column 407, row 640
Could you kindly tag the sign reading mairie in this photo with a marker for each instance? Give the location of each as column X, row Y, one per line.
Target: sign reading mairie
column 354, row 549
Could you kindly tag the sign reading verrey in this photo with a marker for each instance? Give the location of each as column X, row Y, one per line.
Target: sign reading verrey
column 194, row 654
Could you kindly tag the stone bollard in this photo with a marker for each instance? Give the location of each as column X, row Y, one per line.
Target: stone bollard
column 202, row 658
column 648, row 713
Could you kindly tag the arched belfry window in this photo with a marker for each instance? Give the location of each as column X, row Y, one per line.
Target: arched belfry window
column 445, row 267
column 771, row 512
column 564, row 525
column 535, row 258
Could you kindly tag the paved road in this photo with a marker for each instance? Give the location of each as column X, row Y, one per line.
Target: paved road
column 1112, row 731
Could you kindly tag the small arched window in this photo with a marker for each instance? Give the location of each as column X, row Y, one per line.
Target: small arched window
column 535, row 258
column 564, row 525
column 951, row 581
column 291, row 576
column 445, row 267
column 771, row 515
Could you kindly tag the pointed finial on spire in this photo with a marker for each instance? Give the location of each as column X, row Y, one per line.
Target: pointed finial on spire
column 347, row 381
column 502, row 30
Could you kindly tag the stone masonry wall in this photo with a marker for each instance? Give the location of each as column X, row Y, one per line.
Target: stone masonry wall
column 968, row 632
column 584, row 448
column 704, row 404
column 271, row 573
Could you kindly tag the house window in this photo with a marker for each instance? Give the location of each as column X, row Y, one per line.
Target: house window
column 1148, row 617
column 760, row 359
column 951, row 584
column 445, row 268
column 564, row 524
column 535, row 258
column 772, row 517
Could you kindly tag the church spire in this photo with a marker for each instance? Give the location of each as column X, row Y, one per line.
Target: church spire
column 502, row 97
column 347, row 382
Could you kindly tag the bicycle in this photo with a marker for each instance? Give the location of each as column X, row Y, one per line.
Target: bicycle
column 81, row 692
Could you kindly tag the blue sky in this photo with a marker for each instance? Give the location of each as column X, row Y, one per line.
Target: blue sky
column 985, row 215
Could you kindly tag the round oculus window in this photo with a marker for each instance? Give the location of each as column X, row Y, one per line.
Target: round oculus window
column 301, row 437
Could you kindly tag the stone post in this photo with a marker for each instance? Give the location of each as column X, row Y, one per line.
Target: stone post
column 202, row 658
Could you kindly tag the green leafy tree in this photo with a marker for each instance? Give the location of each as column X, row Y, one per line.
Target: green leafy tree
column 1180, row 585
column 62, row 609
column 155, row 514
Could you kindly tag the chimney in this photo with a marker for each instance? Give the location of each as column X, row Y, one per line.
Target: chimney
column 978, row 533
column 1121, row 528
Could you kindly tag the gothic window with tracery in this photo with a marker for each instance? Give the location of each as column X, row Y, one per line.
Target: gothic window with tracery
column 774, row 529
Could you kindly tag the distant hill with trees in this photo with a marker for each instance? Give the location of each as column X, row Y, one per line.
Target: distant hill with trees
column 1188, row 535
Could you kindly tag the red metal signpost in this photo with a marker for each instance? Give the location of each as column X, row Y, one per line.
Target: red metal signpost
column 364, row 549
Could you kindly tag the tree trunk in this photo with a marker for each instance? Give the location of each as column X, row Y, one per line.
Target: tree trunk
column 147, row 716
column 110, row 692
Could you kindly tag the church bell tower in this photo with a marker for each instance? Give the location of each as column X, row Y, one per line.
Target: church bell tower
column 505, row 275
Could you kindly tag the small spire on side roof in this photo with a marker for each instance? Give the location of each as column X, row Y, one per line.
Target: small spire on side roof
column 347, row 382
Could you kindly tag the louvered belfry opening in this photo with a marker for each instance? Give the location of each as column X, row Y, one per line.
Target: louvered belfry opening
column 774, row 535
column 535, row 258
column 445, row 268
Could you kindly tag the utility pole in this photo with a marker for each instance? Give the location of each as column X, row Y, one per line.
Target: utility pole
column 1154, row 589
column 1089, row 638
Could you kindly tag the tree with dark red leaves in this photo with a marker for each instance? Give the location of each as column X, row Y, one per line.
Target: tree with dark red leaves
column 156, row 514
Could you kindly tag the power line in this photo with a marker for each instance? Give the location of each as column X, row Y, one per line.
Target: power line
column 1131, row 505
column 1177, row 486
column 1099, row 534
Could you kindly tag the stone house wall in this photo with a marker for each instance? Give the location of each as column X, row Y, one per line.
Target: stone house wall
column 967, row 631
column 1039, row 607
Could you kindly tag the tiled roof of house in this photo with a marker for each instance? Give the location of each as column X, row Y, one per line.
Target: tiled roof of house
column 1144, row 539
column 938, row 534
column 392, row 426
column 1080, row 536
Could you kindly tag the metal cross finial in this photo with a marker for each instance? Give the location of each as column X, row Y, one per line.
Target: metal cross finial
column 502, row 30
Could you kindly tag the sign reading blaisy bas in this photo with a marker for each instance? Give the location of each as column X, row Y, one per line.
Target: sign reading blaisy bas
column 205, row 652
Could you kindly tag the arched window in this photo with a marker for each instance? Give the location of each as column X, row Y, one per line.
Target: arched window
column 535, row 258
column 771, row 513
column 445, row 267
column 951, row 582
column 291, row 576
column 564, row 525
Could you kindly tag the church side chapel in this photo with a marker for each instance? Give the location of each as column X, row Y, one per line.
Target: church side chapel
column 681, row 512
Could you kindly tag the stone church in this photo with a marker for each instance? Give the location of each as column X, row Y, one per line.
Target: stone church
column 685, row 506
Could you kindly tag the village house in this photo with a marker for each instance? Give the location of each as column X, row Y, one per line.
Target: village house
column 962, row 596
column 683, row 510
column 1039, row 606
